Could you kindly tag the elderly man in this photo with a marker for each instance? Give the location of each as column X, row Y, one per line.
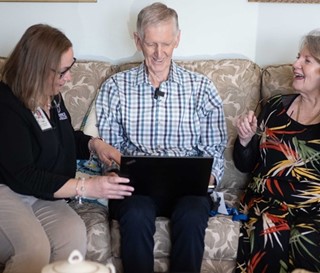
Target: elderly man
column 159, row 108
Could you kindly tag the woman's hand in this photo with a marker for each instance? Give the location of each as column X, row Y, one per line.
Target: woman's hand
column 246, row 127
column 104, row 151
column 111, row 187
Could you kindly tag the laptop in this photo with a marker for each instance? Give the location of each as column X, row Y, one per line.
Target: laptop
column 161, row 176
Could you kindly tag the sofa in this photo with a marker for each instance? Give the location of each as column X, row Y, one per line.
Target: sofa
column 241, row 84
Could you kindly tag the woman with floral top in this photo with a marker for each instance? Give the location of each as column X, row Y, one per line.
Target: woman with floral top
column 281, row 149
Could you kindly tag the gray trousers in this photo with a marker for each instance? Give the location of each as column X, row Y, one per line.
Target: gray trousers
column 35, row 232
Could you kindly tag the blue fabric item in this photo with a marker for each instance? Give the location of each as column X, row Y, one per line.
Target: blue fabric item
column 91, row 166
column 236, row 216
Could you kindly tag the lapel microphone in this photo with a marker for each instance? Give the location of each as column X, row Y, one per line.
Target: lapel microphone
column 158, row 94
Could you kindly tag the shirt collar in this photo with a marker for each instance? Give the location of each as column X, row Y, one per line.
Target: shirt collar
column 142, row 76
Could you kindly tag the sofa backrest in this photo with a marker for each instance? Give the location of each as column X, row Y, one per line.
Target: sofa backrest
column 276, row 79
column 238, row 83
column 80, row 92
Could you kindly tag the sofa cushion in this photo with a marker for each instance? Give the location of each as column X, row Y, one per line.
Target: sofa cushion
column 208, row 266
column 276, row 79
column 95, row 217
column 221, row 238
column 238, row 84
column 79, row 93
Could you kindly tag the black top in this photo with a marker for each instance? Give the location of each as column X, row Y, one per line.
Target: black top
column 245, row 158
column 34, row 161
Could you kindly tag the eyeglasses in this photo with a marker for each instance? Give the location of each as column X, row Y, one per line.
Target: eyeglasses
column 258, row 106
column 262, row 127
column 64, row 72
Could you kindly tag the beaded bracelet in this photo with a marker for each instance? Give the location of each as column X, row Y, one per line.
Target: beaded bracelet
column 80, row 189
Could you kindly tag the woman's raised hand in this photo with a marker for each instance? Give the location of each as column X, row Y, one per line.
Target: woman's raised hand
column 246, row 127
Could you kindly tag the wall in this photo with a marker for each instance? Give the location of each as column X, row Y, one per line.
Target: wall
column 264, row 33
column 280, row 29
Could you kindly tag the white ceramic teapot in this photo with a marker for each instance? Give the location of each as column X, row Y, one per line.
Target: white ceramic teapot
column 76, row 264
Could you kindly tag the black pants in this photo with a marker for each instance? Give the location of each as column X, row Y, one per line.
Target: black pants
column 188, row 219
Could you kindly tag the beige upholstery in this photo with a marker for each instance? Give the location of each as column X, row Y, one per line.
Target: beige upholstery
column 241, row 84
column 80, row 92
column 276, row 79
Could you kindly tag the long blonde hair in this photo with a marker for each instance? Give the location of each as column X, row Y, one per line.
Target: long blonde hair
column 35, row 56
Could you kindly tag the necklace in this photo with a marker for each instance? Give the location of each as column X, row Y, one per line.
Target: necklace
column 46, row 107
column 309, row 121
column 47, row 104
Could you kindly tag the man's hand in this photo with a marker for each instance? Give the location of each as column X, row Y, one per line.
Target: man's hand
column 104, row 151
column 212, row 181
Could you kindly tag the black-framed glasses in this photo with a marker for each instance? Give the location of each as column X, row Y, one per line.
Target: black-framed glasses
column 64, row 72
column 262, row 126
column 259, row 106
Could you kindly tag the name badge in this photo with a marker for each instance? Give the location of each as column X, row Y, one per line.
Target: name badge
column 63, row 116
column 42, row 119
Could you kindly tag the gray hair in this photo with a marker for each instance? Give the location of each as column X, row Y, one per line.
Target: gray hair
column 312, row 42
column 154, row 14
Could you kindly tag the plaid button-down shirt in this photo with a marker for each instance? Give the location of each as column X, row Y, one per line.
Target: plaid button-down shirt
column 188, row 120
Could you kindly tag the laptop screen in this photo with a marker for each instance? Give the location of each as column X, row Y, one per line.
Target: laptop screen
column 167, row 176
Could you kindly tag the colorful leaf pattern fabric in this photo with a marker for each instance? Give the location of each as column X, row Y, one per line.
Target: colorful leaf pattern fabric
column 283, row 198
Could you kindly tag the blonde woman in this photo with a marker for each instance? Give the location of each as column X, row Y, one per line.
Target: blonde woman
column 282, row 151
column 38, row 156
